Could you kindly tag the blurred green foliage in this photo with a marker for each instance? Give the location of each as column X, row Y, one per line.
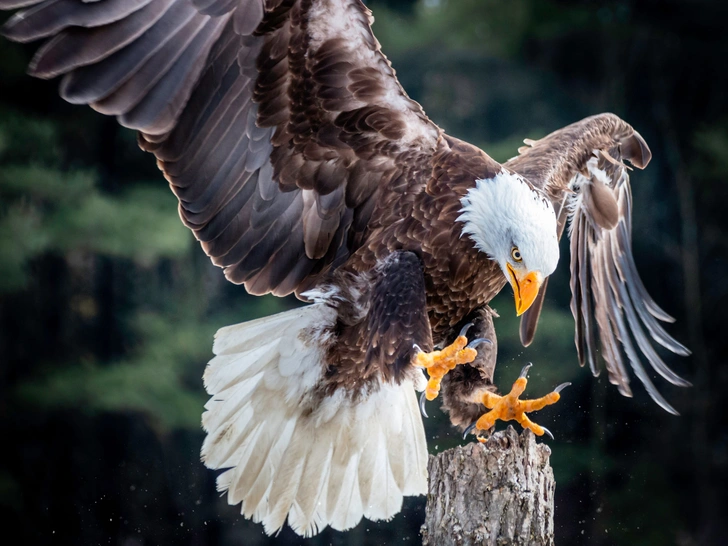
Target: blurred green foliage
column 489, row 27
column 151, row 380
column 49, row 209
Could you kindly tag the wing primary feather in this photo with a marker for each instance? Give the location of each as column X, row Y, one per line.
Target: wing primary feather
column 92, row 83
column 16, row 4
column 226, row 148
column 76, row 47
column 214, row 7
column 639, row 369
column 587, row 292
column 576, row 292
column 657, row 332
column 615, row 363
column 607, row 338
column 626, row 211
column 624, row 302
column 53, row 16
column 624, row 260
column 204, row 102
column 160, row 108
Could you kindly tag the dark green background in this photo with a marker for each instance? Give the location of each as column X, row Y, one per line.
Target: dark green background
column 108, row 306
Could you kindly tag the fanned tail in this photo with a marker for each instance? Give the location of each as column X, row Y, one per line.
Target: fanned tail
column 291, row 452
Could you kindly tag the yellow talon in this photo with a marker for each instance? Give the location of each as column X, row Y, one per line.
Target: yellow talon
column 510, row 408
column 438, row 363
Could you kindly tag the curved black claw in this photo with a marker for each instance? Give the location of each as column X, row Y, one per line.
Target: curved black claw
column 469, row 429
column 525, row 369
column 422, row 404
column 476, row 342
column 547, row 431
column 562, row 387
column 417, row 348
column 464, row 329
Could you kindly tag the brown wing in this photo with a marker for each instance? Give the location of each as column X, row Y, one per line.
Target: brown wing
column 277, row 122
column 581, row 168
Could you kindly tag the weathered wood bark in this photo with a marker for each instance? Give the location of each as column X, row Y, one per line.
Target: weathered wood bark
column 500, row 493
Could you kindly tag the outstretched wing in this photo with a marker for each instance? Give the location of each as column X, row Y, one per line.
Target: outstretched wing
column 581, row 168
column 277, row 123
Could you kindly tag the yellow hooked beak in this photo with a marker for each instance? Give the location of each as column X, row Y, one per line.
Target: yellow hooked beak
column 525, row 288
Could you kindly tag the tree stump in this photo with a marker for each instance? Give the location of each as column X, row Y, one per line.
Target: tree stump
column 499, row 493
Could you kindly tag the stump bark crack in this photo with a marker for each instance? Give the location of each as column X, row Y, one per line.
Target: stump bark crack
column 500, row 493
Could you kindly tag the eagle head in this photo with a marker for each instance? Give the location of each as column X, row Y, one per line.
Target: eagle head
column 515, row 225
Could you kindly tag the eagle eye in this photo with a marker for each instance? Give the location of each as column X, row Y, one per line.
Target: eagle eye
column 516, row 254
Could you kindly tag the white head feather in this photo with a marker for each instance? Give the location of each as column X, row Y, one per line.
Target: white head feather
column 504, row 212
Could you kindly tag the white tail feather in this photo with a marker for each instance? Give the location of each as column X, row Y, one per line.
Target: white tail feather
column 290, row 454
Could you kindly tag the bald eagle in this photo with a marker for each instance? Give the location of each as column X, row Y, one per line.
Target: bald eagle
column 302, row 166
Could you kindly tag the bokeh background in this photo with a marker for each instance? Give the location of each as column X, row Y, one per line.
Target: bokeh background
column 108, row 306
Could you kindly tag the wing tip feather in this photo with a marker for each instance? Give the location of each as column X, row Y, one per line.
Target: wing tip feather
column 635, row 150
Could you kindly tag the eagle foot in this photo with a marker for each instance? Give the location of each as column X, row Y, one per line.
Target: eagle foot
column 511, row 408
column 438, row 363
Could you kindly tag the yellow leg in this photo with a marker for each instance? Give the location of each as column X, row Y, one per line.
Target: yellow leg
column 438, row 363
column 510, row 407
column 490, row 399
